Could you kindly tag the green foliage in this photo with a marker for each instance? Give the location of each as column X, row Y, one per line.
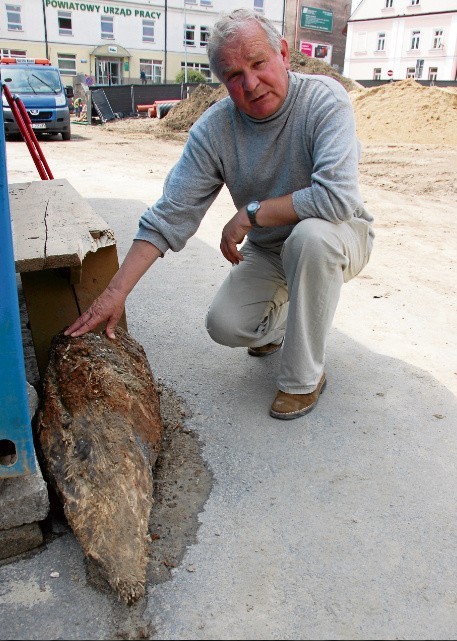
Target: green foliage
column 192, row 76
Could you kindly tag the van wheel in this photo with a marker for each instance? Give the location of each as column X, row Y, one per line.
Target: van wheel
column 66, row 135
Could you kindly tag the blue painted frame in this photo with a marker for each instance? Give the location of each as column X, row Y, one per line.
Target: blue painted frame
column 15, row 421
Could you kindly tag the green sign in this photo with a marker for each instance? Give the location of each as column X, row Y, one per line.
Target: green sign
column 319, row 19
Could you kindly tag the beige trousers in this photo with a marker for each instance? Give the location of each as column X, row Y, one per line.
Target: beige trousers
column 291, row 292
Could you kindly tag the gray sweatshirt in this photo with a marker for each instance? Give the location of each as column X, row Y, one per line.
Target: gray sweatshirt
column 308, row 148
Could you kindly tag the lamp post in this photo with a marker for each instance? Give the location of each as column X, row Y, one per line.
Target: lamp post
column 185, row 43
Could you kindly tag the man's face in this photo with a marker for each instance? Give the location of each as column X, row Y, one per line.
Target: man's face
column 254, row 73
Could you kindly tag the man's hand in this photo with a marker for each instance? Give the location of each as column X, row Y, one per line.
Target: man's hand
column 233, row 234
column 109, row 307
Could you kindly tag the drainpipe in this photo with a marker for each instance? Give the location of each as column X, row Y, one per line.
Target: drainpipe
column 45, row 29
column 165, row 57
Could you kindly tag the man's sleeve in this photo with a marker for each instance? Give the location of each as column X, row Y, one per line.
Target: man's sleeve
column 189, row 190
column 334, row 192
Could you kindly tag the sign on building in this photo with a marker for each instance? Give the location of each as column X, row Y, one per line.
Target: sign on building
column 317, row 50
column 319, row 19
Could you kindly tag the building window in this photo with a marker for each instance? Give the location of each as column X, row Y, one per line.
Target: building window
column 206, row 3
column 13, row 53
column 64, row 22
column 419, row 68
column 377, row 73
column 259, row 6
column 438, row 39
column 198, row 66
column 152, row 69
column 389, row 4
column 148, row 30
column 189, row 35
column 13, row 16
column 415, row 2
column 432, row 73
column 381, row 41
column 411, row 72
column 190, row 1
column 204, row 35
column 107, row 27
column 415, row 39
column 361, row 44
column 67, row 64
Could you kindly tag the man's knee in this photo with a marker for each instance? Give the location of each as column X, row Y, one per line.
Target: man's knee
column 309, row 237
column 221, row 327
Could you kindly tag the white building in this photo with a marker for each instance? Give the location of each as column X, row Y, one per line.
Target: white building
column 111, row 42
column 402, row 39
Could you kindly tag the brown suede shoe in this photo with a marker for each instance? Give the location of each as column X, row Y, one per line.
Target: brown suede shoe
column 265, row 350
column 288, row 406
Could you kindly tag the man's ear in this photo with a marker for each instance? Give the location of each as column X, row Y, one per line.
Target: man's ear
column 285, row 53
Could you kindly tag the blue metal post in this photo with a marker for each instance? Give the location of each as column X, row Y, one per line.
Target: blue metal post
column 17, row 454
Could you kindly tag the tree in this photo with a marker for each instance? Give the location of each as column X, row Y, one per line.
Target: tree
column 192, row 76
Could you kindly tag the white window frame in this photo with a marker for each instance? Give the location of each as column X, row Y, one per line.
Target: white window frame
column 204, row 35
column 149, row 30
column 414, row 3
column 189, row 35
column 389, row 4
column 107, row 27
column 153, row 69
column 13, row 53
column 202, row 67
column 410, row 72
column 433, row 73
column 13, row 17
column 381, row 41
column 206, row 3
column 64, row 15
column 361, row 42
column 377, row 73
column 415, row 40
column 438, row 39
column 259, row 6
column 62, row 59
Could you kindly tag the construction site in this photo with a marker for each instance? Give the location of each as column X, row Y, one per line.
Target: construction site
column 339, row 526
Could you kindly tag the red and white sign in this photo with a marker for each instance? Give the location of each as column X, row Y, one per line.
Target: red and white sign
column 316, row 50
column 390, row 73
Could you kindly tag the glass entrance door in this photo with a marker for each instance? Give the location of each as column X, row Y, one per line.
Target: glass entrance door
column 107, row 71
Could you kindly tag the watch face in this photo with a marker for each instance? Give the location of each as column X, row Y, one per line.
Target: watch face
column 252, row 207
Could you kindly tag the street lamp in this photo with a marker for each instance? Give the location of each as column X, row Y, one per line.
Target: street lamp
column 185, row 43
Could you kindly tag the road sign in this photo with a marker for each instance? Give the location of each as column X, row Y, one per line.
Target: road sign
column 390, row 73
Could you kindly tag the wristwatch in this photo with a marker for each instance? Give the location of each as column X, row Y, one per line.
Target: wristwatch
column 251, row 209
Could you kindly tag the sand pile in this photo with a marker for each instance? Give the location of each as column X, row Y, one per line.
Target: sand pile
column 396, row 112
column 183, row 115
column 304, row 64
column 406, row 112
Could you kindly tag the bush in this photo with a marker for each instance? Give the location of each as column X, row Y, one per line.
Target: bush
column 192, row 76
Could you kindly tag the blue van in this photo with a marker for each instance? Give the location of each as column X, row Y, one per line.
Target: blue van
column 39, row 86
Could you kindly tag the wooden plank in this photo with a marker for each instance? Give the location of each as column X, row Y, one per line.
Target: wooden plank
column 97, row 270
column 53, row 226
column 51, row 306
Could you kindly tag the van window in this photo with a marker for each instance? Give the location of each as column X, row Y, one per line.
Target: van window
column 32, row 80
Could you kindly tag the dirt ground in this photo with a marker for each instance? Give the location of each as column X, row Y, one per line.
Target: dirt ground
column 408, row 176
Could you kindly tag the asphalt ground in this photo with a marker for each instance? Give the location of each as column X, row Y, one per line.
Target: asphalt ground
column 337, row 525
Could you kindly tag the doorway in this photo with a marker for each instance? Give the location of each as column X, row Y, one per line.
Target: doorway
column 107, row 71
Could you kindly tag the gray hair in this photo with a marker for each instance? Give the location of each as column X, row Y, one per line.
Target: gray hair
column 227, row 28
